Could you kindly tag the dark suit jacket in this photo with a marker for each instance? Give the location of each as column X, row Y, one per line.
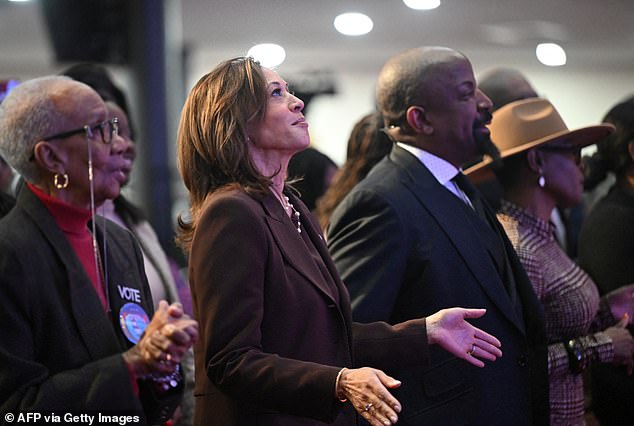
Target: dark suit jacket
column 59, row 350
column 406, row 247
column 275, row 324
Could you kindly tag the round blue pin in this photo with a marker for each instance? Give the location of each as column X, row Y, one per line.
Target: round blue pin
column 133, row 321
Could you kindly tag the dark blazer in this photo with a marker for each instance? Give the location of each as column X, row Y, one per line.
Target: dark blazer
column 59, row 350
column 275, row 325
column 406, row 247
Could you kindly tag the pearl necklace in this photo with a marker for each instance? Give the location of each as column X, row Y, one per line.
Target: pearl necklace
column 294, row 213
column 290, row 208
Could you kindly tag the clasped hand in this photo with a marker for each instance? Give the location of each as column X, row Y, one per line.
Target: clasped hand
column 167, row 337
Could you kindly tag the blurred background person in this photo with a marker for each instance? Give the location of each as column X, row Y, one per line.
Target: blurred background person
column 505, row 85
column 6, row 176
column 277, row 342
column 6, row 86
column 313, row 172
column 606, row 246
column 75, row 306
column 7, row 201
column 367, row 145
column 502, row 85
column 540, row 169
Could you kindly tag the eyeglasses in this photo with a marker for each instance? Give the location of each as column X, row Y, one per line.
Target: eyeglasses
column 108, row 129
column 572, row 150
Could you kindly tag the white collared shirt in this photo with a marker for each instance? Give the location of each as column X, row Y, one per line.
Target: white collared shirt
column 441, row 169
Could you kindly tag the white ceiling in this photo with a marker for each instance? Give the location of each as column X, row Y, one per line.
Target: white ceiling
column 597, row 34
column 594, row 32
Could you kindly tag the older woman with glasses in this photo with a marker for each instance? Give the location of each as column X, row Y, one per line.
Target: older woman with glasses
column 79, row 333
column 540, row 169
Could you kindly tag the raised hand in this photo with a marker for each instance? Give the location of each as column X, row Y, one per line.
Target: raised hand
column 449, row 329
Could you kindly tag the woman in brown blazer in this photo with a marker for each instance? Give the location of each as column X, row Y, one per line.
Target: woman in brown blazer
column 277, row 345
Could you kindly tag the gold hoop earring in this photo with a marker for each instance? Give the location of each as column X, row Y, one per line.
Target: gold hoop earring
column 63, row 184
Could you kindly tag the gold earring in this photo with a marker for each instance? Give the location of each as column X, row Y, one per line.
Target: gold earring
column 63, row 184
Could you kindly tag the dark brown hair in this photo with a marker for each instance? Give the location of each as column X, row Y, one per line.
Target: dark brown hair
column 212, row 140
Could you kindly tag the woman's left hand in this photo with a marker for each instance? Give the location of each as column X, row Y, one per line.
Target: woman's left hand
column 367, row 390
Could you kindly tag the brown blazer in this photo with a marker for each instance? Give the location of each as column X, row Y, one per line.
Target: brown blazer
column 275, row 326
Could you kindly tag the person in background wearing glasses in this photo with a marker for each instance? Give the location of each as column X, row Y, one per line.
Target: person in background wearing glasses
column 540, row 169
column 79, row 332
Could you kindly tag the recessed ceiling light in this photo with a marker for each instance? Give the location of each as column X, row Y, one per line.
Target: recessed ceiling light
column 422, row 4
column 551, row 54
column 353, row 24
column 268, row 54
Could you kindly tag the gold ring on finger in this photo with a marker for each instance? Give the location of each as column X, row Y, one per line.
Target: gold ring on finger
column 472, row 351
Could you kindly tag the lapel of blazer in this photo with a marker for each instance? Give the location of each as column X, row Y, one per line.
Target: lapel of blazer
column 290, row 243
column 442, row 205
column 313, row 231
column 87, row 311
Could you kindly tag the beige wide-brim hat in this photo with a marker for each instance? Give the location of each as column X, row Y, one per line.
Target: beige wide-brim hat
column 528, row 123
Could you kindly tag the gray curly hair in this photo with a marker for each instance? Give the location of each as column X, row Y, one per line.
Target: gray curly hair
column 28, row 114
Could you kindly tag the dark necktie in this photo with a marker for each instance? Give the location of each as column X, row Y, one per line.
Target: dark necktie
column 470, row 191
column 499, row 254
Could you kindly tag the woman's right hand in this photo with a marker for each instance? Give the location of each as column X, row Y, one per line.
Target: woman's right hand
column 367, row 390
column 623, row 344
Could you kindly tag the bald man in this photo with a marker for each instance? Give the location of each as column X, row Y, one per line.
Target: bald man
column 414, row 237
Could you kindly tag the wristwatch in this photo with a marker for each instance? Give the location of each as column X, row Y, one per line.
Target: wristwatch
column 576, row 358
